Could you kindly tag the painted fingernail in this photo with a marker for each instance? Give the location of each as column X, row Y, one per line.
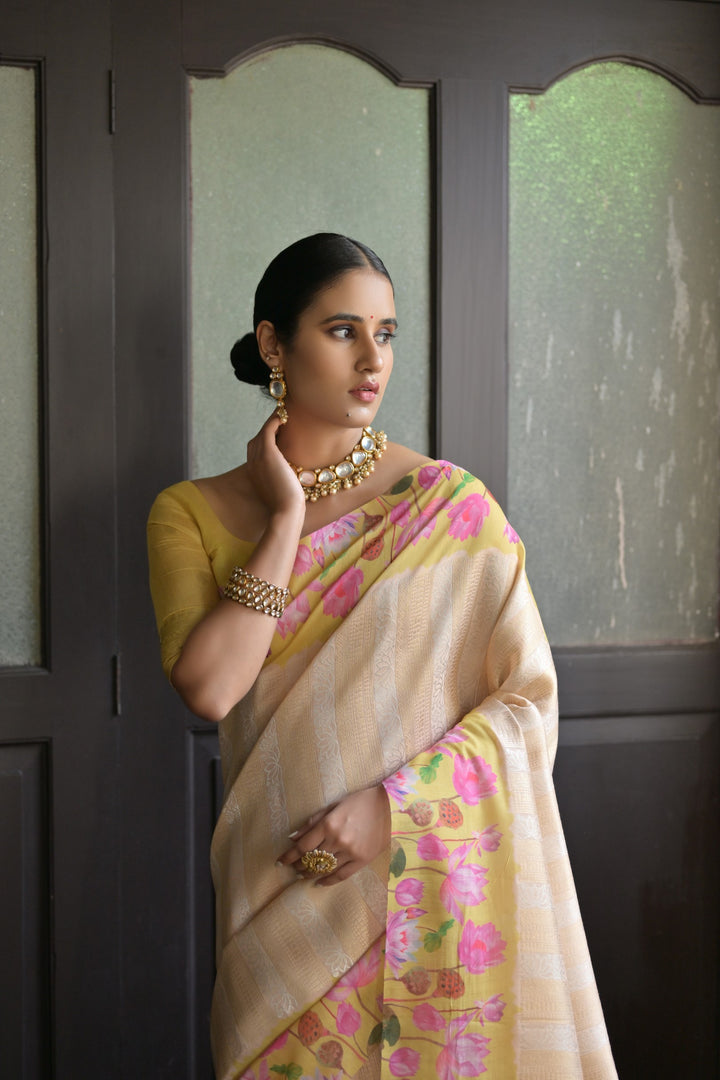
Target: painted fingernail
column 292, row 835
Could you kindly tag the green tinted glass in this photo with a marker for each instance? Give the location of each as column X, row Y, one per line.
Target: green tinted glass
column 614, row 463
column 20, row 626
column 300, row 140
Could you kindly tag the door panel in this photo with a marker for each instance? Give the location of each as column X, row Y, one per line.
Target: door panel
column 638, row 798
column 639, row 753
column 150, row 216
column 24, row 915
column 60, row 986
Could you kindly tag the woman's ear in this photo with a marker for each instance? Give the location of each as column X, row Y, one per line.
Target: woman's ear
column 268, row 343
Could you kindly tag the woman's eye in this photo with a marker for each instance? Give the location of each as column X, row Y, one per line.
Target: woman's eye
column 343, row 332
column 384, row 336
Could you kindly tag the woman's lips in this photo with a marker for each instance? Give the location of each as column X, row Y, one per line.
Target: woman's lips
column 365, row 393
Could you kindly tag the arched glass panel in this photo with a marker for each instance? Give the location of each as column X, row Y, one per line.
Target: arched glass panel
column 20, row 621
column 300, row 140
column 614, row 455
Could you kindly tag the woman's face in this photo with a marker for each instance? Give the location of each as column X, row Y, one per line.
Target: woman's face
column 340, row 359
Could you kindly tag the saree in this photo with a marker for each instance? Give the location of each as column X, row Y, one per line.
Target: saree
column 412, row 654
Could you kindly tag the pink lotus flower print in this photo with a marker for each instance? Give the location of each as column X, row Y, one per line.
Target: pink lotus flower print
column 489, row 839
column 492, row 1009
column 348, row 1019
column 464, row 885
column 404, row 1062
column 319, row 556
column 481, row 947
column 409, row 891
column 423, row 524
column 360, row 974
column 343, row 594
column 400, row 514
column 303, row 560
column 473, row 779
column 432, row 849
column 510, row 534
column 430, row 474
column 294, row 615
column 336, row 537
column 462, row 1057
column 401, row 784
column 402, row 940
column 428, row 1018
column 455, row 735
column 468, row 517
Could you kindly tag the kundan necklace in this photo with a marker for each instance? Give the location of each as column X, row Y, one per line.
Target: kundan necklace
column 352, row 470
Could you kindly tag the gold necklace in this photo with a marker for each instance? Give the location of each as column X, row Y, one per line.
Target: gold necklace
column 352, row 470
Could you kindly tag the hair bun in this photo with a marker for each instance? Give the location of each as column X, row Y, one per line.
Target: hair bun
column 247, row 362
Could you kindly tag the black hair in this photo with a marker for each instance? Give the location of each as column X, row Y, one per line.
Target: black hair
column 288, row 287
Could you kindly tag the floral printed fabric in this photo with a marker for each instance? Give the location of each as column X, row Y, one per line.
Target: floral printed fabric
column 433, row 969
column 434, row 999
column 336, row 564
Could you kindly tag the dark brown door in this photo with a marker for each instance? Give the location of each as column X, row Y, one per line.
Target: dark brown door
column 107, row 917
column 637, row 767
column 59, row 899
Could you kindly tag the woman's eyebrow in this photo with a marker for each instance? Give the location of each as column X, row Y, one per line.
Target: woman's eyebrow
column 347, row 317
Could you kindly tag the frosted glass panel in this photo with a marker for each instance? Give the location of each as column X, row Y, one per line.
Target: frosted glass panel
column 614, row 462
column 303, row 139
column 19, row 476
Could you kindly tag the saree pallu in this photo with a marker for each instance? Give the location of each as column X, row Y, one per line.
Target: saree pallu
column 412, row 654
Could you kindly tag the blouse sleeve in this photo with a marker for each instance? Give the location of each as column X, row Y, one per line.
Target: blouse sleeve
column 182, row 582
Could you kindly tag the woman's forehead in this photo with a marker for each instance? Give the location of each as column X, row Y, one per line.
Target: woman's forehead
column 362, row 292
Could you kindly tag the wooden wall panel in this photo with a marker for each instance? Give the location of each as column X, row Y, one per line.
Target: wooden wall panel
column 638, row 799
column 205, row 799
column 24, row 912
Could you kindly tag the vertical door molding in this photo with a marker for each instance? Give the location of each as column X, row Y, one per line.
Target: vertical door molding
column 472, row 271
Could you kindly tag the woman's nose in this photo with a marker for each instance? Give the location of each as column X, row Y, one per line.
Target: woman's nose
column 370, row 357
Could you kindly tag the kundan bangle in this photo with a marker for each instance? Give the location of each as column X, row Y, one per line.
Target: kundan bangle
column 253, row 592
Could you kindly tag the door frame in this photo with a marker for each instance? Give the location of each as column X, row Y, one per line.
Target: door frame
column 522, row 46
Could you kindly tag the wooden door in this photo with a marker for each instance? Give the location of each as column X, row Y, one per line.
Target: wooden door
column 117, row 813
column 59, row 901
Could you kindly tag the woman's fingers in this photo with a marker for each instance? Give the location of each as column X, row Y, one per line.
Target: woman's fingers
column 311, row 822
column 265, row 437
column 343, row 872
column 310, row 838
column 274, row 480
column 301, row 840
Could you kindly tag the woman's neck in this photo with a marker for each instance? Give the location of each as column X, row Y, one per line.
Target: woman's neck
column 312, row 446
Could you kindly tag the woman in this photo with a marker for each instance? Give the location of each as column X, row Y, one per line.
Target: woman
column 393, row 894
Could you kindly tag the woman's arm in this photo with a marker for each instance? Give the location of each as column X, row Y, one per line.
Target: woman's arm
column 224, row 652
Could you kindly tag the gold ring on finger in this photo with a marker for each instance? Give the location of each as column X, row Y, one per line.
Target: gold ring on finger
column 318, row 861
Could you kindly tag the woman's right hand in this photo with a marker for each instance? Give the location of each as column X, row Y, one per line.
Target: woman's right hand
column 274, row 480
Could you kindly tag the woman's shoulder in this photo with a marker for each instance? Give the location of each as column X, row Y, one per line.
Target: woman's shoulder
column 171, row 498
column 189, row 500
column 400, row 460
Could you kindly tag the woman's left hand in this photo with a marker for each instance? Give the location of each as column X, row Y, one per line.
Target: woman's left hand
column 355, row 830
